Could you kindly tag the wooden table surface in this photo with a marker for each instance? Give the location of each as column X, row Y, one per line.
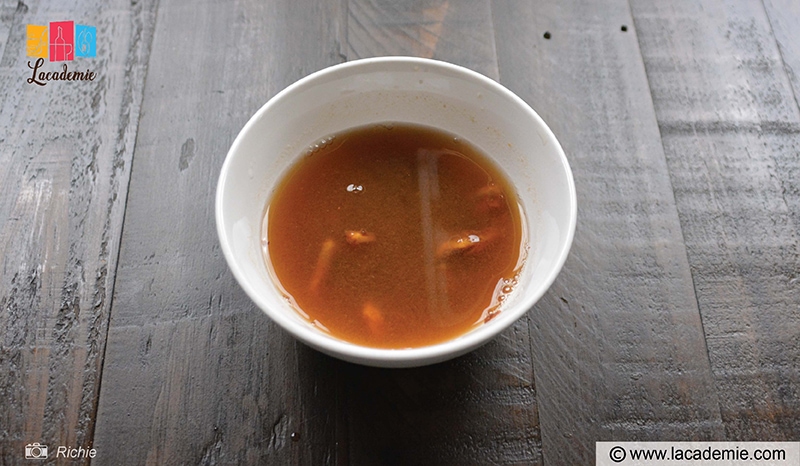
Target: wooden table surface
column 676, row 316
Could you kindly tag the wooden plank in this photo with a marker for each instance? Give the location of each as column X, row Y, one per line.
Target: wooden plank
column 618, row 346
column 460, row 32
column 784, row 18
column 64, row 171
column 194, row 373
column 9, row 10
column 480, row 408
column 731, row 131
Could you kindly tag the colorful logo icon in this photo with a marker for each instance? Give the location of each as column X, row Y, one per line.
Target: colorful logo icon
column 61, row 41
column 85, row 41
column 37, row 44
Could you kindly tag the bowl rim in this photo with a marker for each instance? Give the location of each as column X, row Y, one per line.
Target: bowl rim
column 404, row 357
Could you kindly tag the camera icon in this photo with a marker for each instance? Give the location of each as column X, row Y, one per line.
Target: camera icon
column 35, row 451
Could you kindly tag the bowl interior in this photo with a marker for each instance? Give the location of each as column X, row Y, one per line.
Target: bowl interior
column 401, row 90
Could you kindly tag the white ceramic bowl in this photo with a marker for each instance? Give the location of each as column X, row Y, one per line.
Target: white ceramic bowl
column 399, row 89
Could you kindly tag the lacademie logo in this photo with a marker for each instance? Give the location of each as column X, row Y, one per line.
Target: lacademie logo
column 61, row 41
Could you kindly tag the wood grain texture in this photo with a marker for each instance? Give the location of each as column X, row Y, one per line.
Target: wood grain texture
column 481, row 408
column 9, row 11
column 477, row 409
column 784, row 17
column 194, row 373
column 64, row 170
column 618, row 344
column 460, row 32
column 731, row 131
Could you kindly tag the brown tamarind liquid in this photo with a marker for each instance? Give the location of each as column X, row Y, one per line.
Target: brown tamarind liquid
column 394, row 236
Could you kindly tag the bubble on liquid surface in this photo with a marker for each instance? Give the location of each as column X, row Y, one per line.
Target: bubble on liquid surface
column 354, row 188
column 322, row 143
